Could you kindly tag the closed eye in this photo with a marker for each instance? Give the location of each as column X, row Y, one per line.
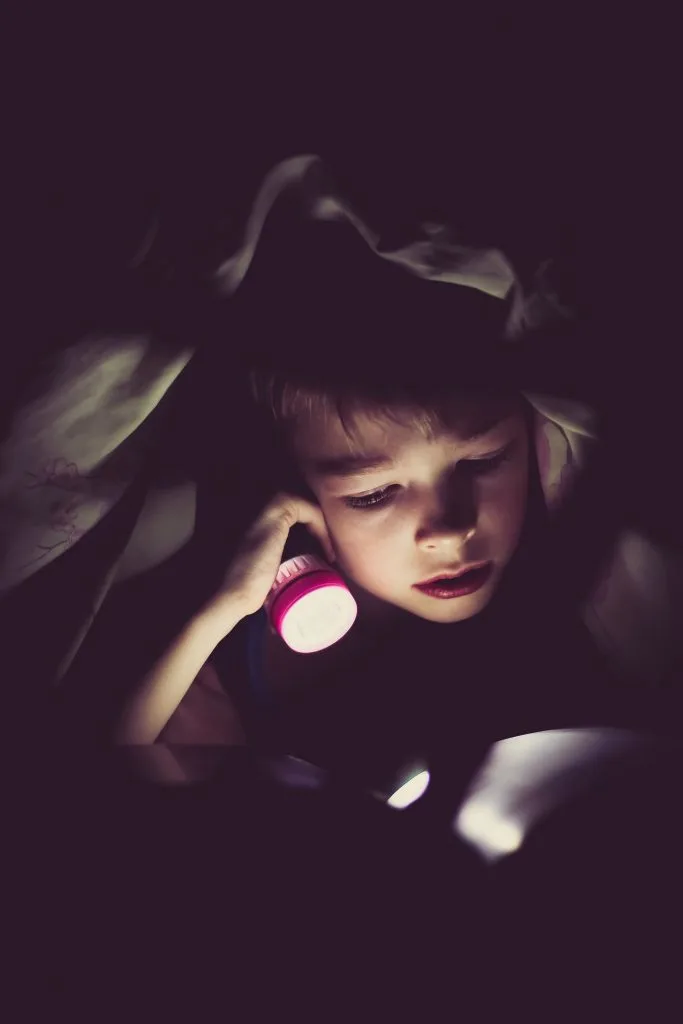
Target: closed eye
column 475, row 467
column 480, row 467
column 377, row 498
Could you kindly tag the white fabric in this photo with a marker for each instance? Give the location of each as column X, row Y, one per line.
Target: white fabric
column 55, row 484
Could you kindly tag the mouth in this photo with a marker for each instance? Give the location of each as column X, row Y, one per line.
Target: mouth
column 450, row 585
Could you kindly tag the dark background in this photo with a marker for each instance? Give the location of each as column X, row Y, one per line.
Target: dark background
column 545, row 130
column 544, row 133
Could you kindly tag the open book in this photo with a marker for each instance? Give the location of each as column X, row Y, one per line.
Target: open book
column 525, row 778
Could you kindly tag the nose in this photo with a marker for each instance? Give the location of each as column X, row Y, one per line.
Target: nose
column 449, row 520
column 432, row 539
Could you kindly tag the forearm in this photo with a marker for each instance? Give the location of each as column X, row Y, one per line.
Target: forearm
column 164, row 687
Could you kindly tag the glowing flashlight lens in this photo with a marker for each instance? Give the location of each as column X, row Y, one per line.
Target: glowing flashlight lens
column 410, row 791
column 318, row 619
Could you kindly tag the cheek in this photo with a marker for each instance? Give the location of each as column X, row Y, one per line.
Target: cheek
column 359, row 547
column 505, row 510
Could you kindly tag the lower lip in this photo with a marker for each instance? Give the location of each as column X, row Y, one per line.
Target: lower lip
column 471, row 582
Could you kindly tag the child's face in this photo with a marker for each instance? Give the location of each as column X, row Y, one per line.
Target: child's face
column 436, row 506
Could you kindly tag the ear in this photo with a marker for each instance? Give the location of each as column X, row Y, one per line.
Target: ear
column 322, row 535
column 328, row 548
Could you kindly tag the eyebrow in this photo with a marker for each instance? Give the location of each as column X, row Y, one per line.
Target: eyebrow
column 356, row 465
column 349, row 465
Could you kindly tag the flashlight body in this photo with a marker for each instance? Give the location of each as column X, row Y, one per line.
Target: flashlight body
column 309, row 605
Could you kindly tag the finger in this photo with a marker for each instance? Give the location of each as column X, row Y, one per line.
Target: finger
column 286, row 509
column 279, row 514
column 289, row 510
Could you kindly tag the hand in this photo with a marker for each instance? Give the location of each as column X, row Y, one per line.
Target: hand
column 253, row 570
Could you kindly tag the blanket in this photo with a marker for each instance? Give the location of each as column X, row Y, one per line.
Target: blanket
column 81, row 440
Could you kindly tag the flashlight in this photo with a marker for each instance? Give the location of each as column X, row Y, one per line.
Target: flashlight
column 309, row 604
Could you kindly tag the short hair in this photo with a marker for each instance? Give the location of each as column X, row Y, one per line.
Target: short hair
column 287, row 400
column 336, row 328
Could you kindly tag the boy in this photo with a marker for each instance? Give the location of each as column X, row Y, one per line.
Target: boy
column 406, row 445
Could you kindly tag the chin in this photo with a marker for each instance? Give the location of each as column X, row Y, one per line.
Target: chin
column 452, row 614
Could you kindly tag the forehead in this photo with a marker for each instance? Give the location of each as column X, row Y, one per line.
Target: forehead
column 320, row 434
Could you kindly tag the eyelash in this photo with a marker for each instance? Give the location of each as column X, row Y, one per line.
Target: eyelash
column 371, row 500
column 478, row 467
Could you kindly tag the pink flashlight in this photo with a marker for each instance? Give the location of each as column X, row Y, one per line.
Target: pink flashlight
column 309, row 605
